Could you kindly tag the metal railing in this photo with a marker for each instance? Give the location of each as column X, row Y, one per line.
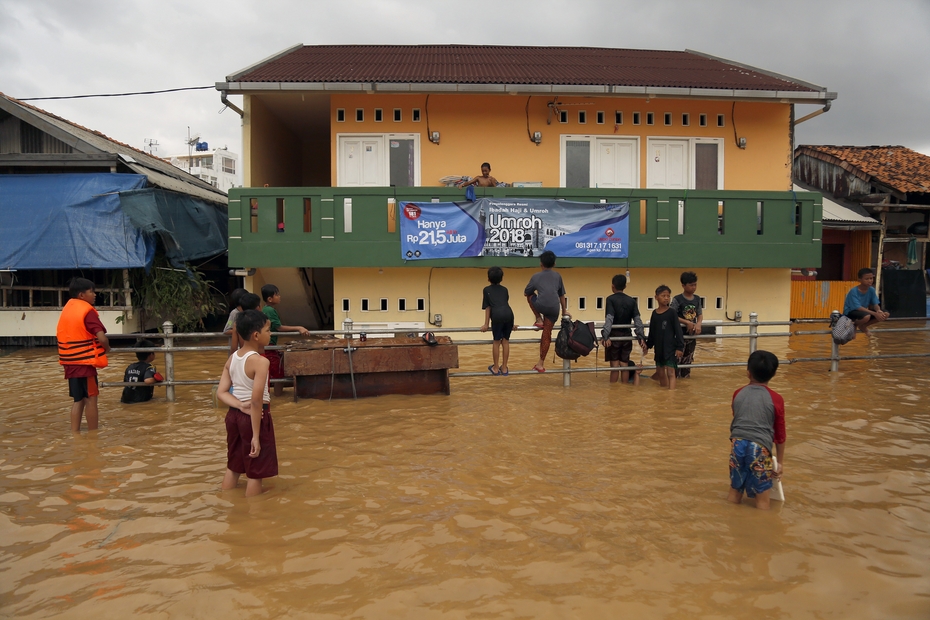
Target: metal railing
column 170, row 348
column 112, row 293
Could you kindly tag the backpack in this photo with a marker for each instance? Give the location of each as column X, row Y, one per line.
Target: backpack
column 575, row 339
column 843, row 329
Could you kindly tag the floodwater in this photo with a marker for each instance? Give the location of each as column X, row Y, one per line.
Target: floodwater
column 512, row 498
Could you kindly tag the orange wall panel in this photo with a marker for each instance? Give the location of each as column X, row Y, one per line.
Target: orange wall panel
column 816, row 299
column 860, row 251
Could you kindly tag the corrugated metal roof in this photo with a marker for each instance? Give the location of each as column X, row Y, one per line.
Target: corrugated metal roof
column 897, row 167
column 159, row 172
column 486, row 64
column 834, row 212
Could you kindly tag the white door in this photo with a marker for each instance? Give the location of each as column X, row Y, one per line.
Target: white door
column 362, row 162
column 615, row 163
column 668, row 165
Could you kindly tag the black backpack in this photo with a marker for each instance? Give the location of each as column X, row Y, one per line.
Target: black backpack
column 575, row 339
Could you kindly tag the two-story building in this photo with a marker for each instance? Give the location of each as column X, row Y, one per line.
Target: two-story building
column 337, row 138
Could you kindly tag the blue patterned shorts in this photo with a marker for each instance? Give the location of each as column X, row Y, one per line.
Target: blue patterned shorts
column 751, row 467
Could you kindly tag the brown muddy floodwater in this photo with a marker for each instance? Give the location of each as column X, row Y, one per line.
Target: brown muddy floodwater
column 512, row 498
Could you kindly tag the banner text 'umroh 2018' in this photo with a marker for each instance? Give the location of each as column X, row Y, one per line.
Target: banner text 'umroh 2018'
column 514, row 227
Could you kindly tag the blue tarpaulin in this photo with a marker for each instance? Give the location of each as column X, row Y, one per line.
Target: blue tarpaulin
column 102, row 221
column 189, row 228
column 70, row 221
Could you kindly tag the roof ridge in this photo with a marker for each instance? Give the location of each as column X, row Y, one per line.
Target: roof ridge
column 145, row 160
column 523, row 65
column 72, row 123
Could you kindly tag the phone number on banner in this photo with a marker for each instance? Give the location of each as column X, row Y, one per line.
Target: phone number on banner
column 597, row 246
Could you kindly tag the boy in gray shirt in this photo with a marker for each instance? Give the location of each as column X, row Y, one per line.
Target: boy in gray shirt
column 546, row 296
column 758, row 423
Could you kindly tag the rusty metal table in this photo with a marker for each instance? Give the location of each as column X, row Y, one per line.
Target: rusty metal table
column 401, row 365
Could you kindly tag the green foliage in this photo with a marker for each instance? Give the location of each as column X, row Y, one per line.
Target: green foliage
column 167, row 293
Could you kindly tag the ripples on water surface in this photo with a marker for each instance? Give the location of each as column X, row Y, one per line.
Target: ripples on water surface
column 512, row 498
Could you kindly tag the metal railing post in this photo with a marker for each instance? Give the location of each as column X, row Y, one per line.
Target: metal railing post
column 567, row 375
column 834, row 348
column 168, row 328
column 753, row 332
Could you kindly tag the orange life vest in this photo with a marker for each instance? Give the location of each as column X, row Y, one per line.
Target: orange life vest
column 76, row 345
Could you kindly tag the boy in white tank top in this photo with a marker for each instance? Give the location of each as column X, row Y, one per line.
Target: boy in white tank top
column 250, row 444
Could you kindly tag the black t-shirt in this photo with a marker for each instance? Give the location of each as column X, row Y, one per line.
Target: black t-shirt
column 138, row 373
column 624, row 311
column 687, row 309
column 497, row 297
column 665, row 335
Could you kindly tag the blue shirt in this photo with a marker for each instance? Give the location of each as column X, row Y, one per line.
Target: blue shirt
column 856, row 299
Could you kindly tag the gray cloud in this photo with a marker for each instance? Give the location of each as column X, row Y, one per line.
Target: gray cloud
column 874, row 55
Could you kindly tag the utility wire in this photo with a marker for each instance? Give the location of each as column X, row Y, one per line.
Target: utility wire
column 146, row 92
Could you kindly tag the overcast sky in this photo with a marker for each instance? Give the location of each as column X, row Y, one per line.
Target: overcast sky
column 873, row 54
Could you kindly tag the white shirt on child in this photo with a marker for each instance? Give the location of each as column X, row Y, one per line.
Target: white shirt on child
column 241, row 384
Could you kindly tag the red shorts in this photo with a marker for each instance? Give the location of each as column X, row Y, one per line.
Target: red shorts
column 275, row 364
column 239, row 444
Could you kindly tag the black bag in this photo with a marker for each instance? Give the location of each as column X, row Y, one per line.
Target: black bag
column 575, row 339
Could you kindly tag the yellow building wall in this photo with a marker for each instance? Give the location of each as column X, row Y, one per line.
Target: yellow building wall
column 295, row 308
column 456, row 293
column 271, row 152
column 493, row 128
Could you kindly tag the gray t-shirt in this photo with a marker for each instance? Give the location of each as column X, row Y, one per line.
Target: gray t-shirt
column 547, row 285
column 758, row 415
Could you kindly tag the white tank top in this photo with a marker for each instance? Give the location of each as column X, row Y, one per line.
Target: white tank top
column 241, row 384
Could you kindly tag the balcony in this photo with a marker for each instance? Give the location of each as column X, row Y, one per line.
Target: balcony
column 359, row 227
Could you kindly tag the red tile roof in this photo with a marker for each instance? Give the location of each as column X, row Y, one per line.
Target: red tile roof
column 486, row 64
column 896, row 167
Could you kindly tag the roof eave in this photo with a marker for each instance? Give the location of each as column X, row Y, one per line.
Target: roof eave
column 264, row 61
column 779, row 76
column 666, row 92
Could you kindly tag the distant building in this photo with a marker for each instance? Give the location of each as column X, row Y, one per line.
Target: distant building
column 884, row 196
column 219, row 167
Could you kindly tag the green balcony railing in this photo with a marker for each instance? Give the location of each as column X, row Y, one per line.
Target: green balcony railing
column 307, row 227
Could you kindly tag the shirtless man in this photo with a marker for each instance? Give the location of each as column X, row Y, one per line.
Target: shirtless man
column 485, row 180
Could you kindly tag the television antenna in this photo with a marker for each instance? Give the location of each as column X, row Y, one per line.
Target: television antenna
column 191, row 142
column 151, row 145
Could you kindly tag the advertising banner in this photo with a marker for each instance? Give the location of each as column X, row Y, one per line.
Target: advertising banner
column 514, row 227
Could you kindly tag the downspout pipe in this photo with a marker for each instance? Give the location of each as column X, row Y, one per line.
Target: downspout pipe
column 229, row 104
column 826, row 108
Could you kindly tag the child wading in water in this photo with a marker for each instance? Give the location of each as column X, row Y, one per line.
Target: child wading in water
column 665, row 336
column 272, row 297
column 497, row 311
column 250, row 444
column 758, row 422
column 690, row 315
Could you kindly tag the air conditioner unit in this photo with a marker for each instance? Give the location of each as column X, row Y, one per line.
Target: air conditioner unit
column 372, row 328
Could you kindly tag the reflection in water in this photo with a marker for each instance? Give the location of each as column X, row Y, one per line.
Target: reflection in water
column 514, row 497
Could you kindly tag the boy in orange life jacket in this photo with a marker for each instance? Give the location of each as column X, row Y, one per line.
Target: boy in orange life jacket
column 82, row 349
